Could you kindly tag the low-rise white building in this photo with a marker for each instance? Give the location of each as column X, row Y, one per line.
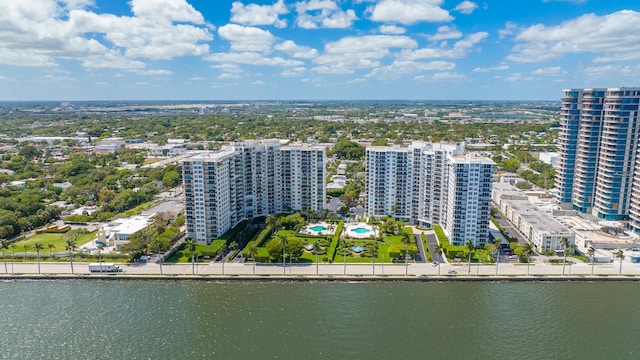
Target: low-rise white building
column 550, row 158
column 538, row 227
column 117, row 232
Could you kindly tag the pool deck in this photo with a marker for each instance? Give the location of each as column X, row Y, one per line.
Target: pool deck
column 349, row 232
column 329, row 229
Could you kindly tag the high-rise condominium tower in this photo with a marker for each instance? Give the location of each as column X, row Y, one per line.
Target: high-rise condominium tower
column 597, row 150
column 414, row 184
column 250, row 179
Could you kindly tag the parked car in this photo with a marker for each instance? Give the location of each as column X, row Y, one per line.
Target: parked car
column 452, row 271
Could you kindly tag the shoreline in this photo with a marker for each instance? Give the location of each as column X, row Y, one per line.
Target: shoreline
column 324, row 278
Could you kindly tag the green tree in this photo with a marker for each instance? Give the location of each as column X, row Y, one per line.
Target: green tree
column 565, row 246
column 191, row 247
column 37, row 247
column 295, row 248
column 592, row 254
column 171, row 179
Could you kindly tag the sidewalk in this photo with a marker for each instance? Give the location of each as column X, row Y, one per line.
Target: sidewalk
column 332, row 270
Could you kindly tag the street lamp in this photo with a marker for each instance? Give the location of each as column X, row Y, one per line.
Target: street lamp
column 344, row 256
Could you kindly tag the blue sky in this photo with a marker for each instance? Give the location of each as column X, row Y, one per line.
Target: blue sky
column 315, row 49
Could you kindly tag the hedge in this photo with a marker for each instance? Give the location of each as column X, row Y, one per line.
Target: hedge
column 257, row 241
column 331, row 253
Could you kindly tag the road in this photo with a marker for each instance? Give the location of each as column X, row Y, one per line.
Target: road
column 421, row 257
column 417, row 269
column 432, row 241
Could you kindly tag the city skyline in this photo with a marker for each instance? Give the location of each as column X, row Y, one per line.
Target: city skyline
column 314, row 49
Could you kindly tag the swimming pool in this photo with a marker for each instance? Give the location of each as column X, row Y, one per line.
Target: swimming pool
column 361, row 230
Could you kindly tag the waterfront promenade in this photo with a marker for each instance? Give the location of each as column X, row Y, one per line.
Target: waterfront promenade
column 629, row 270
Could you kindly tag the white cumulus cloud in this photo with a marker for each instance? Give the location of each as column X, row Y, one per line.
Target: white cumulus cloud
column 612, row 37
column 42, row 32
column 251, row 58
column 296, row 51
column 549, row 71
column 494, row 68
column 246, row 38
column 445, row 33
column 408, row 12
column 401, row 68
column 392, row 29
column 315, row 14
column 359, row 52
column 466, row 7
column 254, row 14
column 460, row 49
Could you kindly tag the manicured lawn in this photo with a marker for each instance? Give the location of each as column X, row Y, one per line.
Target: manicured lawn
column 56, row 239
column 383, row 248
column 184, row 256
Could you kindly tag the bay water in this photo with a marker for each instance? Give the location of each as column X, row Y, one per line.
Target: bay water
column 282, row 320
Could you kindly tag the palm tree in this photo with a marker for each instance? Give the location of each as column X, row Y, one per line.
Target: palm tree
column 191, row 246
column 253, row 251
column 438, row 251
column 406, row 240
column 70, row 246
column 4, row 244
column 527, row 250
column 100, row 247
column 37, row 247
column 284, row 241
column 620, row 254
column 233, row 246
column 316, row 248
column 51, row 246
column 221, row 252
column 470, row 248
column 26, row 248
column 272, row 221
column 565, row 245
column 592, row 254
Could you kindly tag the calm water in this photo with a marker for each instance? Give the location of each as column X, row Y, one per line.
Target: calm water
column 167, row 320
